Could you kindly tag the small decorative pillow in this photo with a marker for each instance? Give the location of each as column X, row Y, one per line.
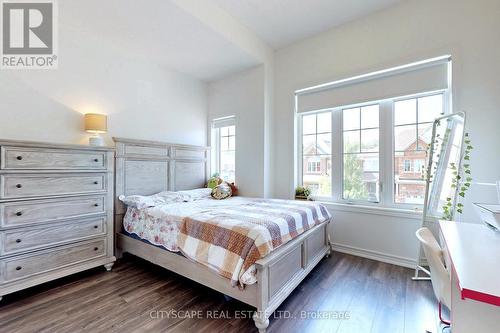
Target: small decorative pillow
column 221, row 191
column 213, row 182
column 234, row 189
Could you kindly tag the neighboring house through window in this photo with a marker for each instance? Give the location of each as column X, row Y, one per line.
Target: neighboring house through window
column 347, row 149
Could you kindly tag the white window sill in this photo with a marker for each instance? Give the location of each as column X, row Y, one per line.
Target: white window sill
column 415, row 214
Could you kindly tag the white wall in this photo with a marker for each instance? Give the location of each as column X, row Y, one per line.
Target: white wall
column 242, row 95
column 143, row 100
column 411, row 31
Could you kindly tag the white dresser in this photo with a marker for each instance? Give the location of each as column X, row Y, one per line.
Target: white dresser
column 56, row 211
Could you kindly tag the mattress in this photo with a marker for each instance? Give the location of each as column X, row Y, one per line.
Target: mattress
column 163, row 225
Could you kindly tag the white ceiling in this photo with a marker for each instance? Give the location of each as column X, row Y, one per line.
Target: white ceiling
column 164, row 33
column 282, row 22
column 154, row 31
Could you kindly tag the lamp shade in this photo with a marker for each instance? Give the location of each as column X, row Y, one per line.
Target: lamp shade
column 96, row 123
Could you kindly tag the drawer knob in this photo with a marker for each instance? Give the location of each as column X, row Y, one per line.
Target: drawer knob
column 96, row 182
column 96, row 205
column 19, row 185
column 19, row 213
column 95, row 227
column 19, row 158
column 18, row 268
column 96, row 160
column 18, row 240
column 96, row 248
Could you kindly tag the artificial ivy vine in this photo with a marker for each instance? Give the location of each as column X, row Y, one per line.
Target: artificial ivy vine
column 461, row 181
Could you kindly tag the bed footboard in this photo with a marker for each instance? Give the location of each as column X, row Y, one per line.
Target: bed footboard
column 281, row 272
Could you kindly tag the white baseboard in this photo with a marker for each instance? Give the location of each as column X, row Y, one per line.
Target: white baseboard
column 375, row 255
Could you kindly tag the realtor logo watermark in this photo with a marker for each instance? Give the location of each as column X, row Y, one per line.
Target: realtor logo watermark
column 29, row 34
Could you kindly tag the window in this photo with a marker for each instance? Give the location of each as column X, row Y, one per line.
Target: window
column 361, row 153
column 313, row 166
column 413, row 119
column 407, row 166
column 364, row 139
column 224, row 148
column 316, row 152
column 347, row 152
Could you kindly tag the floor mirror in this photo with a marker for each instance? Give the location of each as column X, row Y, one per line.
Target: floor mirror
column 444, row 164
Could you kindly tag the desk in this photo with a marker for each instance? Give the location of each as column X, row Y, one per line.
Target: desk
column 474, row 253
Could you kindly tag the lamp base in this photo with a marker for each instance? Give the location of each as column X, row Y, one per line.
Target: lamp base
column 96, row 140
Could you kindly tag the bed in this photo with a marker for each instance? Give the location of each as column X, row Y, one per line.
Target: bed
column 147, row 167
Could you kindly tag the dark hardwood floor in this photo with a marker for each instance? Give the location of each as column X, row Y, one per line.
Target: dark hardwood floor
column 137, row 297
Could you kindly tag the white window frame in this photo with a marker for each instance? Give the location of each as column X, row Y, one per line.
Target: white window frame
column 386, row 151
column 215, row 136
column 341, row 194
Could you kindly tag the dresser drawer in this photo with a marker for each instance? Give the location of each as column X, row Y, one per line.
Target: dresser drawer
column 18, row 158
column 26, row 186
column 39, row 262
column 18, row 240
column 19, row 213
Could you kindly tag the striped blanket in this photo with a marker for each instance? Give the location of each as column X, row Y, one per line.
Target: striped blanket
column 231, row 239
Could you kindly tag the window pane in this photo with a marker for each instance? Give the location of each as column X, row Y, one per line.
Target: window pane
column 405, row 137
column 361, row 177
column 369, row 116
column 424, row 135
column 324, row 144
column 325, row 122
column 351, row 118
column 405, row 112
column 317, row 174
column 430, row 108
column 227, row 165
column 409, row 187
column 309, row 144
column 351, row 142
column 224, row 131
column 232, row 130
column 224, row 143
column 309, row 124
column 369, row 140
column 232, row 143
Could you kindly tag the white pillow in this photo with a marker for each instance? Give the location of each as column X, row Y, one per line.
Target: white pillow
column 141, row 201
column 197, row 194
column 162, row 198
column 170, row 196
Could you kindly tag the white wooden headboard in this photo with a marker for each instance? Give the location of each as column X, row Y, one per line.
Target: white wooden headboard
column 148, row 167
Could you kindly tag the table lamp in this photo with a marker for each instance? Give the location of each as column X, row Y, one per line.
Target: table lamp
column 96, row 123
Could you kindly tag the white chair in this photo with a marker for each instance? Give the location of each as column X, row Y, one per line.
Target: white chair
column 440, row 276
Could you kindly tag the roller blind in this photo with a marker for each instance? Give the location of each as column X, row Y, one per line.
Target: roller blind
column 223, row 122
column 405, row 80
